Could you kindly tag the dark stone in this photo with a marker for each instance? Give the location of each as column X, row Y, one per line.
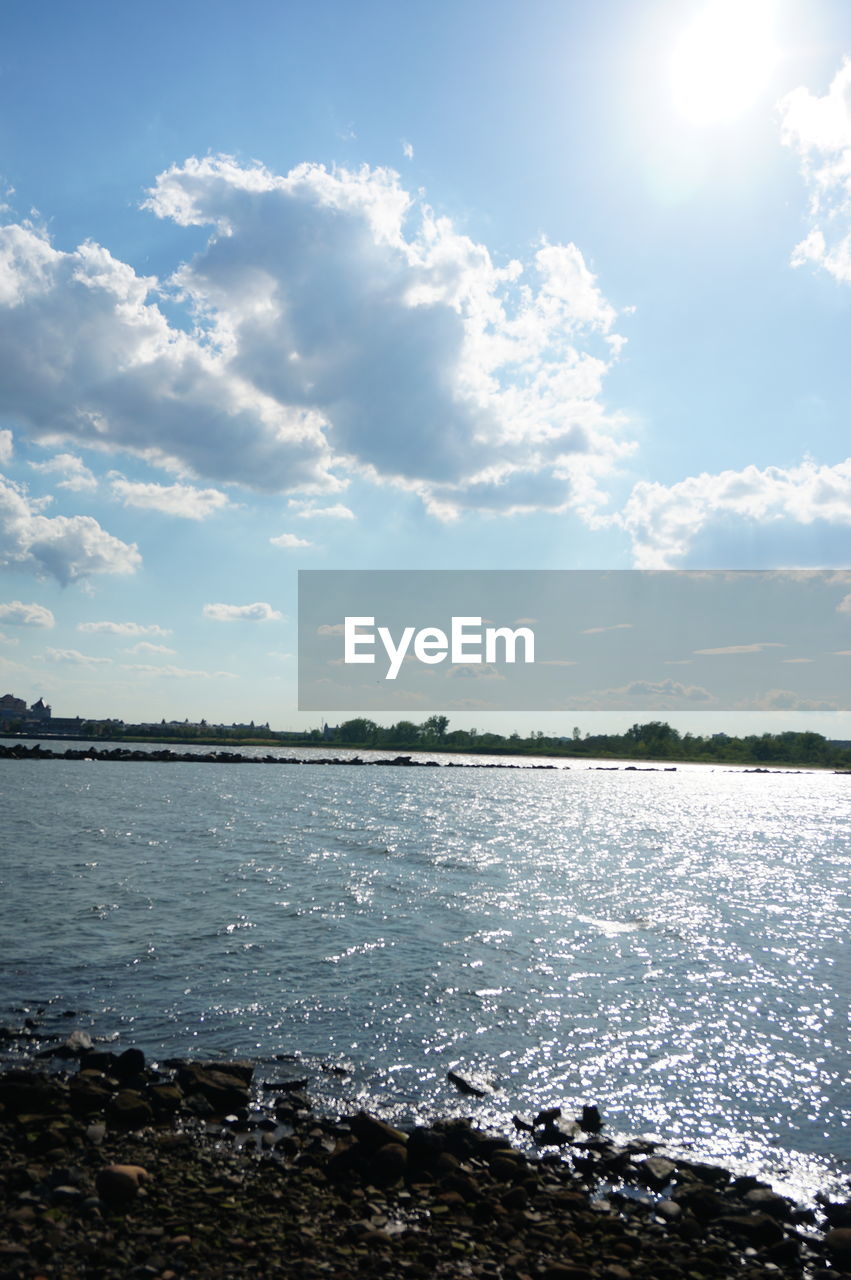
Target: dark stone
column 655, row 1172
column 591, row 1120
column 129, row 1110
column 838, row 1244
column 424, row 1146
column 374, row 1133
column 472, row 1085
column 758, row 1229
column 130, row 1063
column 763, row 1200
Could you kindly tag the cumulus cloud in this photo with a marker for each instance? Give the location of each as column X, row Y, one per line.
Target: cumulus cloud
column 743, row 648
column 819, row 129
column 664, row 520
column 307, row 511
column 289, row 541
column 175, row 673
column 67, row 548
column 257, row 612
column 331, row 629
column 668, row 694
column 73, row 658
column 123, row 629
column 338, row 327
column 844, row 605
column 18, row 614
column 615, row 626
column 173, row 499
column 145, row 646
column 6, row 447
column 784, row 700
column 77, row 476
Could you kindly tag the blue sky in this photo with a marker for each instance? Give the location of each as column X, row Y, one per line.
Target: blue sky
column 451, row 286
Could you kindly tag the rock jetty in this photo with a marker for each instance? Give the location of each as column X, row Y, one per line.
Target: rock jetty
column 113, row 1167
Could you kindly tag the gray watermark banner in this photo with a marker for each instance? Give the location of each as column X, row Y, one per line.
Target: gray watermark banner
column 575, row 640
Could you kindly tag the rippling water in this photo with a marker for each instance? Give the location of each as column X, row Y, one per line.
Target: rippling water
column 668, row 945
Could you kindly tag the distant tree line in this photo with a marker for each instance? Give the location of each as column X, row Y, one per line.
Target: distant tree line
column 655, row 740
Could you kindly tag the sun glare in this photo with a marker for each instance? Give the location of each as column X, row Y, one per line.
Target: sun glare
column 723, row 59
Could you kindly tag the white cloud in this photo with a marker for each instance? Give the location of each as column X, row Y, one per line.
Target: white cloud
column 73, row 658
column 26, row 615
column 819, row 129
column 67, row 548
column 257, row 612
column 664, row 520
column 331, row 629
column 407, row 150
column 615, row 626
column 6, row 447
column 176, row 673
column 844, row 605
column 173, row 499
column 78, row 477
column 743, row 648
column 123, row 629
column 290, row 541
column 312, row 288
column 145, row 646
column 784, row 700
column 280, row 657
column 307, row 511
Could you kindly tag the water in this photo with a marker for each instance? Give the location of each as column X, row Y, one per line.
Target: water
column 668, row 945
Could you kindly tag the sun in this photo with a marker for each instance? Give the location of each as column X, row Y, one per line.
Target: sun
column 722, row 60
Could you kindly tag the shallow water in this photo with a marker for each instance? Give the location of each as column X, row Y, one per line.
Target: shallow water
column 668, row 945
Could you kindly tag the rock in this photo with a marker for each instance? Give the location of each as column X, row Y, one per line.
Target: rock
column 668, row 1210
column 78, row 1042
column 547, row 1116
column 30, row 1093
column 225, row 1090
column 838, row 1244
column 374, row 1133
column 389, row 1163
column 118, row 1184
column 129, row 1063
column 424, row 1146
column 129, row 1110
column 758, row 1229
column 591, row 1120
column 89, row 1093
column 475, row 1086
column 165, row 1097
column 763, row 1200
column 655, row 1172
column 837, row 1213
column 557, row 1133
column 705, row 1203
column 98, row 1060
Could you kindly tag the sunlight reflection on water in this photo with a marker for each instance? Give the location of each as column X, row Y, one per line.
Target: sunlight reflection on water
column 667, row 945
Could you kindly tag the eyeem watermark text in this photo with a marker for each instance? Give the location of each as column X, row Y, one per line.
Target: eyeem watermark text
column 467, row 643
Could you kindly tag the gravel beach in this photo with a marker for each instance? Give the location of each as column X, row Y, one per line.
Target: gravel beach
column 111, row 1167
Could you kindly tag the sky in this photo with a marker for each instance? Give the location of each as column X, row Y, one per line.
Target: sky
column 461, row 285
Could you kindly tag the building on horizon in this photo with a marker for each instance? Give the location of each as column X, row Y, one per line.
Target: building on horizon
column 16, row 716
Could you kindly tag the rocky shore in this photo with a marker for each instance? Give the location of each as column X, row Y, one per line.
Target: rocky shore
column 111, row 1166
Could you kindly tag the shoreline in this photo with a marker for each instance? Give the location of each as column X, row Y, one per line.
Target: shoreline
column 165, row 755
column 113, row 1166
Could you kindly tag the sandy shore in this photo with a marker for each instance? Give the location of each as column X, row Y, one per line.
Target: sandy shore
column 111, row 1168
